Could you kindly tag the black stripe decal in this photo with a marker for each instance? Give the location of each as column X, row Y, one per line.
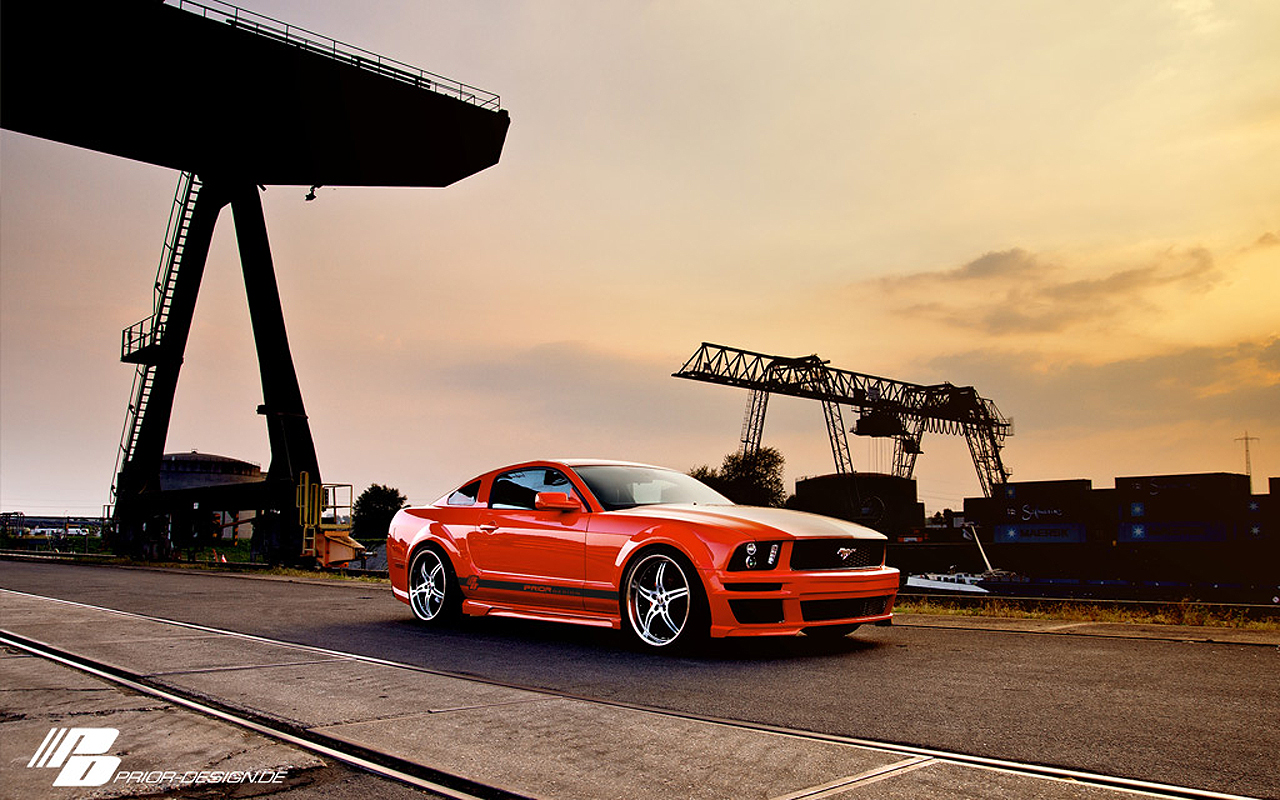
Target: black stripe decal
column 540, row 588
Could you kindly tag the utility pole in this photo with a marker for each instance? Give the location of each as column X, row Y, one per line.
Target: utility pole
column 1248, row 463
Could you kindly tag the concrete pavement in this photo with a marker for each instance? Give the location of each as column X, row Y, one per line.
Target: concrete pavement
column 515, row 740
column 38, row 695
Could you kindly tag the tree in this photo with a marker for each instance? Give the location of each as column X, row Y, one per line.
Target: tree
column 372, row 512
column 753, row 479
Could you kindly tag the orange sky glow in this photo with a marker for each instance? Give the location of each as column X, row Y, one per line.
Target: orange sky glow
column 1073, row 207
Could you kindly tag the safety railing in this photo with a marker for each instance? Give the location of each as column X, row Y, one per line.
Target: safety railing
column 339, row 51
column 138, row 337
column 139, row 394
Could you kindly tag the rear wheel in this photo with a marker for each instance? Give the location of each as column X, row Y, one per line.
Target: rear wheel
column 433, row 589
column 663, row 605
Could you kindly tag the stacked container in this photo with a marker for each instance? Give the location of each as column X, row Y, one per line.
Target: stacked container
column 1209, row 507
column 1044, row 512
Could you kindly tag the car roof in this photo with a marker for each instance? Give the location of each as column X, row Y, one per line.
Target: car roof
column 601, row 462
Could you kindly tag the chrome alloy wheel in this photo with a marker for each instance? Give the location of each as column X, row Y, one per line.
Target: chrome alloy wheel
column 428, row 585
column 659, row 600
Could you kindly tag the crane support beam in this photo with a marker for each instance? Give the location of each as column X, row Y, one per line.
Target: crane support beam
column 886, row 407
column 753, row 421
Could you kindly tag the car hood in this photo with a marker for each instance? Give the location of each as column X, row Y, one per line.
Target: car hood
column 762, row 522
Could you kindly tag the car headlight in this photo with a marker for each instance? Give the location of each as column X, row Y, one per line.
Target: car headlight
column 755, row 556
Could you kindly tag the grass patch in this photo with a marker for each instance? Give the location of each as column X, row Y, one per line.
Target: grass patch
column 290, row 572
column 204, row 563
column 1131, row 613
column 279, row 572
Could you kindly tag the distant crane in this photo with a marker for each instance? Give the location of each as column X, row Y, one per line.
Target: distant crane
column 886, row 407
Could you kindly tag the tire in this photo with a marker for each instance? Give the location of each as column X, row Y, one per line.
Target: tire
column 434, row 595
column 830, row 632
column 663, row 604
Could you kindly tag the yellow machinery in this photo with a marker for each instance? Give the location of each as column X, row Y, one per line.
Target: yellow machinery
column 324, row 512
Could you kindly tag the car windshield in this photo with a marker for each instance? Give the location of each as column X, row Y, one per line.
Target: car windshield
column 619, row 486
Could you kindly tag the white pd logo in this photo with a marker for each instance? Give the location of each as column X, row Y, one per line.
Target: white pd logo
column 79, row 753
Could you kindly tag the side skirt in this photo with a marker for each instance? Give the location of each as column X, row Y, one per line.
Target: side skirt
column 477, row 609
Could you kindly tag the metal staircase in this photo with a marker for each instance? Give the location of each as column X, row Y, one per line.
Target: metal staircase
column 143, row 343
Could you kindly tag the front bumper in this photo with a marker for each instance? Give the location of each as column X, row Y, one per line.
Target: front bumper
column 782, row 602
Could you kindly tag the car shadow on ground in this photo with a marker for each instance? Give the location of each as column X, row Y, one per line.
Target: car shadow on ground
column 470, row 642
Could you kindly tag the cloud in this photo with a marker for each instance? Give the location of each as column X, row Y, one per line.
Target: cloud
column 1199, row 17
column 1238, row 382
column 1004, row 264
column 1175, row 412
column 1269, row 355
column 1265, row 242
column 994, row 265
column 1015, row 291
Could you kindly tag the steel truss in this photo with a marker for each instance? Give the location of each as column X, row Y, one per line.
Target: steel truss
column 886, row 407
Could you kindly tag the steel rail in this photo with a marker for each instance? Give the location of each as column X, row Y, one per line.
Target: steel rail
column 381, row 764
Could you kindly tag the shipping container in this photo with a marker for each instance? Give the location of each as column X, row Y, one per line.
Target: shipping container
column 1259, row 519
column 1066, row 494
column 1209, row 497
column 1051, row 533
column 1164, row 531
column 1036, row 502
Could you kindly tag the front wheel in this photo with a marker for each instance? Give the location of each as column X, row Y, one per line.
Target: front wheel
column 433, row 590
column 663, row 603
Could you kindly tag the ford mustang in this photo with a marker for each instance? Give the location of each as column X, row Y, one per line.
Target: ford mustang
column 648, row 550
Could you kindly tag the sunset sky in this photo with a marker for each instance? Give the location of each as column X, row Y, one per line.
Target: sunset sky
column 1073, row 207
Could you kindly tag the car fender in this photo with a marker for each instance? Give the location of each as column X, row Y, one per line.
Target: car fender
column 678, row 537
column 439, row 534
column 410, row 532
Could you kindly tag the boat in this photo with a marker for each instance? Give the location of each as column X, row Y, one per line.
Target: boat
column 968, row 583
column 961, row 582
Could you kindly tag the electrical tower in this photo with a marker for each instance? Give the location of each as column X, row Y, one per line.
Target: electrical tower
column 885, row 407
column 234, row 101
column 1248, row 460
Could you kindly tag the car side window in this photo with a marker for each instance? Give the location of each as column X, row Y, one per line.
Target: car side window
column 466, row 496
column 519, row 488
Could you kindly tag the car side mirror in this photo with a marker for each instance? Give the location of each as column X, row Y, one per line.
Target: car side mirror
column 556, row 501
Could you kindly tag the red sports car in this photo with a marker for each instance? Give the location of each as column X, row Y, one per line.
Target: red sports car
column 646, row 549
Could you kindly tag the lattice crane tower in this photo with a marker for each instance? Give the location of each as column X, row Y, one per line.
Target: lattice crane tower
column 885, row 407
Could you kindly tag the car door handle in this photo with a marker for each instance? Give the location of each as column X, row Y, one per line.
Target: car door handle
column 487, row 528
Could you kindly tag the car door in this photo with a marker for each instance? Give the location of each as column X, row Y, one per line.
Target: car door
column 525, row 555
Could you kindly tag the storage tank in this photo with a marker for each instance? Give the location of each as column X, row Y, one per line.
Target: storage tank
column 885, row 503
column 194, row 469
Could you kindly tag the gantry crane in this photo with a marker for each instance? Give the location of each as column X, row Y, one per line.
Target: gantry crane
column 234, row 101
column 885, row 407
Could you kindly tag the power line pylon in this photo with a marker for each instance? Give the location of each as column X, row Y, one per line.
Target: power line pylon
column 1248, row 461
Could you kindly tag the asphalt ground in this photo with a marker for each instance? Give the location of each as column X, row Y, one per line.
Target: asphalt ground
column 1170, row 707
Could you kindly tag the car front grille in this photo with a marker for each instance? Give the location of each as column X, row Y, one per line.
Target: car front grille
column 810, row 554
column 842, row 608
